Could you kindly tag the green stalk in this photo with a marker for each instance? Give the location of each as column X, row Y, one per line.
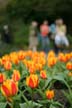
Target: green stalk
column 32, row 97
column 10, row 104
column 26, row 100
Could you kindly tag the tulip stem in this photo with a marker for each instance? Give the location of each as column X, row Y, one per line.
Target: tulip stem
column 22, row 94
column 32, row 95
column 10, row 104
column 32, row 98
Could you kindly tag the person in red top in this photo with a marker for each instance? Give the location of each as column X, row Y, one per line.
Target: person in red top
column 44, row 31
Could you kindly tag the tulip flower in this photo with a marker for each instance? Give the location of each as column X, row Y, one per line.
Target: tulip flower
column 67, row 56
column 61, row 57
column 9, row 88
column 43, row 74
column 43, row 61
column 14, row 58
column 32, row 70
column 32, row 81
column 5, row 59
column 52, row 61
column 8, row 65
column 21, row 55
column 39, row 66
column 50, row 94
column 2, row 78
column 16, row 75
column 29, row 53
column 69, row 66
column 51, row 54
column 71, row 55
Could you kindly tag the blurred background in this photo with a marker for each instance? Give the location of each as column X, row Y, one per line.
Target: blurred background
column 18, row 14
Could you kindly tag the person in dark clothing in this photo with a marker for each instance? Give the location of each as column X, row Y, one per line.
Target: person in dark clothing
column 6, row 35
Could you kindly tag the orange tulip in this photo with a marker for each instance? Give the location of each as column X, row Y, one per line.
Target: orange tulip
column 16, row 75
column 32, row 70
column 9, row 88
column 62, row 57
column 43, row 74
column 51, row 54
column 50, row 94
column 52, row 61
column 29, row 63
column 42, row 54
column 8, row 65
column 42, row 61
column 21, row 55
column 29, row 53
column 5, row 59
column 69, row 66
column 67, row 56
column 14, row 58
column 2, row 78
column 39, row 66
column 71, row 55
column 35, row 55
column 32, row 81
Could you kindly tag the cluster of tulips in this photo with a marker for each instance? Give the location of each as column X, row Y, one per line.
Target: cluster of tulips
column 27, row 78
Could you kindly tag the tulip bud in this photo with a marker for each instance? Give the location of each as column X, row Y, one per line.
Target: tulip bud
column 16, row 75
column 32, row 81
column 50, row 94
column 9, row 88
column 43, row 74
column 69, row 66
column 8, row 65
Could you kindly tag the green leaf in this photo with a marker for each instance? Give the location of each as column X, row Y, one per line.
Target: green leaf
column 47, row 83
column 51, row 106
column 36, row 105
column 3, row 105
column 60, row 77
column 44, row 101
column 16, row 104
column 24, row 105
column 68, row 95
column 57, row 104
column 30, row 105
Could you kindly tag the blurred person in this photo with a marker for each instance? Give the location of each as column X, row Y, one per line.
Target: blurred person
column 33, row 41
column 44, row 31
column 60, row 38
column 52, row 31
column 6, row 35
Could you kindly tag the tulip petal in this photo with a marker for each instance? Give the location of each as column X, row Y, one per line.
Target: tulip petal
column 5, row 91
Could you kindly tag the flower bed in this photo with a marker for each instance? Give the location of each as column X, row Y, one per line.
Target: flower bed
column 35, row 80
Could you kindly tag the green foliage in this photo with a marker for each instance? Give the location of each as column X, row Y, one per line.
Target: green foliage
column 3, row 105
column 31, row 9
column 20, row 32
column 30, row 105
column 20, row 37
column 68, row 95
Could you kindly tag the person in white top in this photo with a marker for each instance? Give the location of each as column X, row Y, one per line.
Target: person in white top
column 60, row 38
